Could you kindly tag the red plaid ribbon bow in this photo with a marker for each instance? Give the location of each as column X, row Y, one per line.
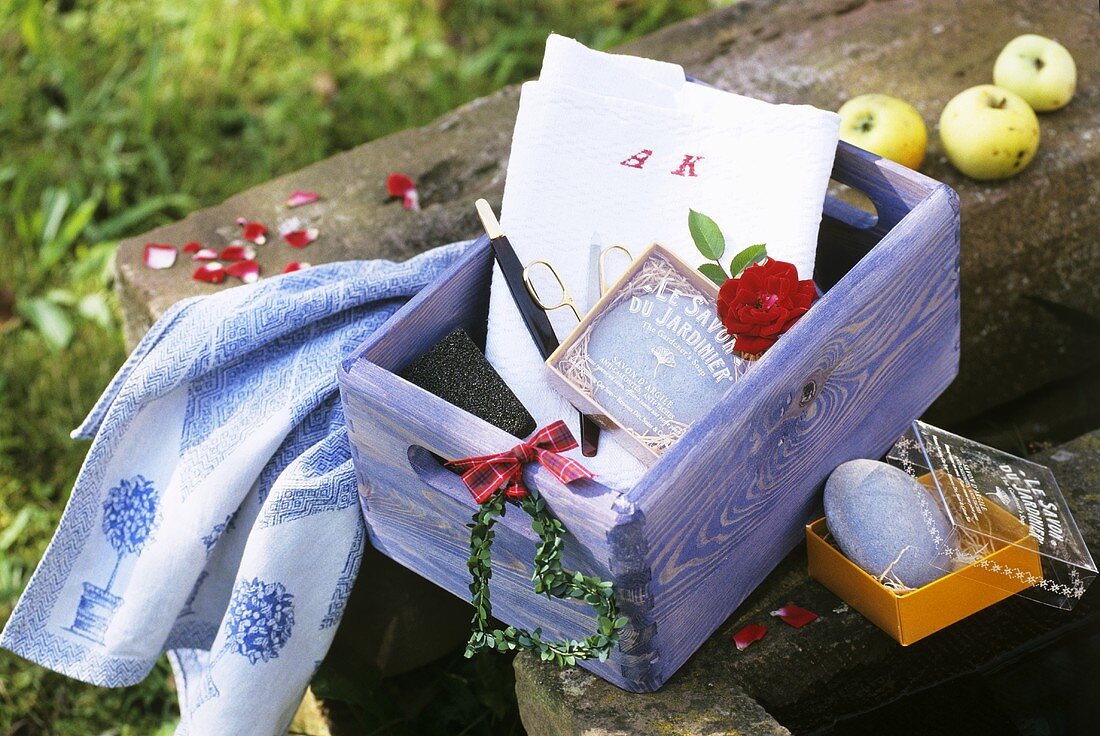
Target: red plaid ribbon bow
column 485, row 474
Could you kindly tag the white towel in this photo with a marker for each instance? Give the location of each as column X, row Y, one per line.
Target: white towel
column 624, row 146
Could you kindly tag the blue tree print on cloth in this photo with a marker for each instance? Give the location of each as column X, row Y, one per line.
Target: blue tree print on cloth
column 257, row 625
column 188, row 609
column 209, row 540
column 130, row 514
column 259, row 620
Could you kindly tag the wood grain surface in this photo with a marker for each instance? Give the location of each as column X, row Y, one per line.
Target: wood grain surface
column 417, row 511
column 844, row 383
column 724, row 505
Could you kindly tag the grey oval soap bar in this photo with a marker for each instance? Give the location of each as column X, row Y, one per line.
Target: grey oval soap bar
column 874, row 511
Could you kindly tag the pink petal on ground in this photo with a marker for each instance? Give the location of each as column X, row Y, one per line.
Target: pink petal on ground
column 796, row 616
column 397, row 184
column 254, row 232
column 211, row 273
column 192, row 247
column 291, row 224
column 749, row 634
column 159, row 255
column 246, row 271
column 295, row 266
column 301, row 238
column 237, row 253
column 206, row 254
column 300, row 197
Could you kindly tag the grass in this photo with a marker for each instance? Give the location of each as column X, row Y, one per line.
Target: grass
column 120, row 115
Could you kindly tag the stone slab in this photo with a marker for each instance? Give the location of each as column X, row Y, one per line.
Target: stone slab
column 1027, row 242
column 1027, row 237
column 455, row 160
column 807, row 678
column 564, row 702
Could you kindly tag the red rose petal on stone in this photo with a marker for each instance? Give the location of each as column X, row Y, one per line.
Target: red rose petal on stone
column 301, row 238
column 397, row 184
column 291, row 224
column 400, row 185
column 796, row 616
column 211, row 273
column 237, row 253
column 247, row 271
column 206, row 254
column 749, row 634
column 254, row 232
column 192, row 247
column 158, row 256
column 295, row 266
column 300, row 197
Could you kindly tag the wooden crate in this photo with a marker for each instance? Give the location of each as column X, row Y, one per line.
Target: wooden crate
column 714, row 515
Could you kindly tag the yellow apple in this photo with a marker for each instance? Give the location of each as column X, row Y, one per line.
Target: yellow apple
column 1039, row 69
column 885, row 125
column 989, row 132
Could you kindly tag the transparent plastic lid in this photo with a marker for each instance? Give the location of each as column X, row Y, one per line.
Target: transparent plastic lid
column 1011, row 525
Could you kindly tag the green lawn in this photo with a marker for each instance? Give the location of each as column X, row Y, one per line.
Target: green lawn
column 117, row 116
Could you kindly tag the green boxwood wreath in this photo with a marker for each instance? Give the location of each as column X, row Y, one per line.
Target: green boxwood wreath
column 549, row 578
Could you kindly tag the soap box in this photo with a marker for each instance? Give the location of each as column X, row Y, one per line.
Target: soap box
column 989, row 496
column 1011, row 534
column 651, row 357
column 912, row 615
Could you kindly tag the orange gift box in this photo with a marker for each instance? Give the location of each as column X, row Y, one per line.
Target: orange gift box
column 909, row 616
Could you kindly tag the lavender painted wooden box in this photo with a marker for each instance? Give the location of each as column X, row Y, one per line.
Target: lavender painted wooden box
column 723, row 506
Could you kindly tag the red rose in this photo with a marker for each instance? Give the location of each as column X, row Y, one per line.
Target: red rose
column 763, row 303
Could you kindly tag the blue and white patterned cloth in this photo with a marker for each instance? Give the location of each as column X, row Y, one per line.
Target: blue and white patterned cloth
column 216, row 517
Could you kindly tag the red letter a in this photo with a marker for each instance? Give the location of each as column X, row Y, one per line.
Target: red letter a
column 687, row 166
column 638, row 160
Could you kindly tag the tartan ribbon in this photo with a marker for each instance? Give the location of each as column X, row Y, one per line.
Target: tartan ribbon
column 486, row 473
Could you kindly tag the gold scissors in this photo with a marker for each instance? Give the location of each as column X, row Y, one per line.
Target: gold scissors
column 597, row 286
column 565, row 300
column 600, row 287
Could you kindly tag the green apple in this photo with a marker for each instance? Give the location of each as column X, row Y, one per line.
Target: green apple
column 989, row 132
column 1039, row 69
column 885, row 125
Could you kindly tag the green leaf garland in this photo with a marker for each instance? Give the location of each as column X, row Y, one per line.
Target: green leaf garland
column 549, row 578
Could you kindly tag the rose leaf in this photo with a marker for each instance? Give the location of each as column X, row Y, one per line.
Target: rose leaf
column 707, row 235
column 714, row 272
column 753, row 254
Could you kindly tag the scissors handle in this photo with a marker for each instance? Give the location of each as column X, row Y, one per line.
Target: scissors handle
column 566, row 299
column 602, row 266
column 590, row 431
